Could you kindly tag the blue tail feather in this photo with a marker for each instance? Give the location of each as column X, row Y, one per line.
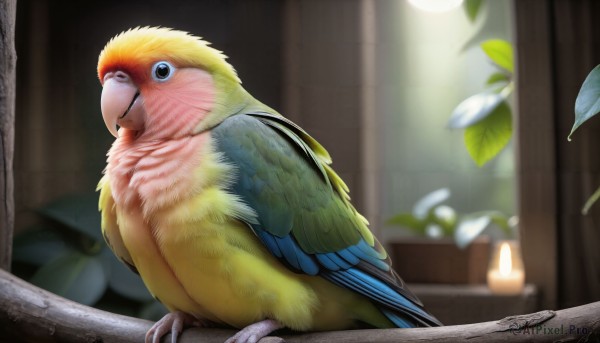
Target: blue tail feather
column 394, row 304
column 397, row 319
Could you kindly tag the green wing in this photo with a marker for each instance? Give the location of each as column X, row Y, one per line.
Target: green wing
column 304, row 216
column 289, row 184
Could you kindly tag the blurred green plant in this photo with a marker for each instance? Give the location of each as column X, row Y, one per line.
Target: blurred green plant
column 68, row 256
column 587, row 105
column 487, row 116
column 430, row 217
column 472, row 8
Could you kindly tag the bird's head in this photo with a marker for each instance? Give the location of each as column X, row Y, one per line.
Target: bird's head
column 160, row 83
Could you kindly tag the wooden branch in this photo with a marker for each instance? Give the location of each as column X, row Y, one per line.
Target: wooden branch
column 30, row 314
column 8, row 59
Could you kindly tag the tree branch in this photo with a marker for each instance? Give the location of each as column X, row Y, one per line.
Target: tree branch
column 30, row 314
column 8, row 60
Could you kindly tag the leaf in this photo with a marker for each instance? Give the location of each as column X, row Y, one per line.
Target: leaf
column 472, row 8
column 78, row 212
column 406, row 220
column 501, row 220
column 74, row 276
column 590, row 202
column 500, row 52
column 587, row 103
column 429, row 201
column 38, row 246
column 445, row 216
column 469, row 228
column 126, row 283
column 497, row 78
column 485, row 139
column 474, row 109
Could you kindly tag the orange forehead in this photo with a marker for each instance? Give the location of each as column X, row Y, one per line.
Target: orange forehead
column 137, row 70
column 136, row 50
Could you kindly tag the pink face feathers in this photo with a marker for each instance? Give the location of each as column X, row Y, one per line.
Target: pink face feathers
column 178, row 105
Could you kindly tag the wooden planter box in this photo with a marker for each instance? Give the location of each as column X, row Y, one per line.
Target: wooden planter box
column 422, row 260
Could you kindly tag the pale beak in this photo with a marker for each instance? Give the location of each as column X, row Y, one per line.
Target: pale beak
column 121, row 103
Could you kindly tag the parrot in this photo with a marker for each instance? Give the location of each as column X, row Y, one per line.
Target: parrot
column 231, row 213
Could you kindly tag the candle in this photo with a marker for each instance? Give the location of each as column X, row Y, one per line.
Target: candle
column 505, row 275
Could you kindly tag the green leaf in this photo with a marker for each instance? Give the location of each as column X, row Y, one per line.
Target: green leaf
column 406, row 220
column 78, row 212
column 474, row 109
column 445, row 216
column 485, row 139
column 587, row 103
column 472, row 8
column 590, row 202
column 126, row 283
column 497, row 77
column 38, row 246
column 74, row 276
column 429, row 201
column 497, row 218
column 500, row 52
column 469, row 228
column 501, row 220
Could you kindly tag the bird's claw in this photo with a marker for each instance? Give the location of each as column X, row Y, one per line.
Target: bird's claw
column 174, row 323
column 254, row 332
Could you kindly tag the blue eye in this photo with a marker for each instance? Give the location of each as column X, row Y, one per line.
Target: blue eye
column 162, row 71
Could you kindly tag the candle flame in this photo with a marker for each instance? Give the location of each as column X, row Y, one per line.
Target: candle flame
column 505, row 259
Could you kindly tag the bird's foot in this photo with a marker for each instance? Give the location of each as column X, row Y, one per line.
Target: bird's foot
column 174, row 323
column 254, row 332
